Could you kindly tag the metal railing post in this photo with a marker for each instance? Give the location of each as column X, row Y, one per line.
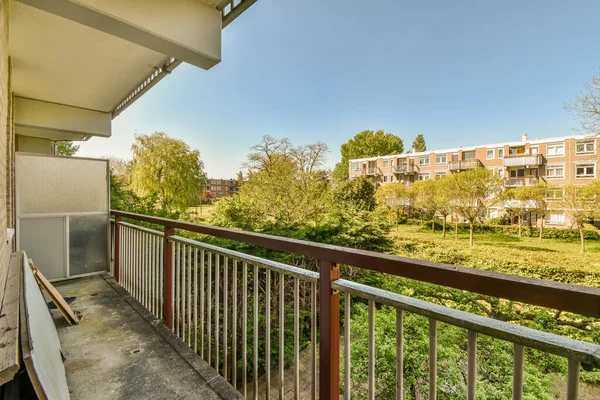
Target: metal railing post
column 329, row 327
column 168, row 277
column 117, row 254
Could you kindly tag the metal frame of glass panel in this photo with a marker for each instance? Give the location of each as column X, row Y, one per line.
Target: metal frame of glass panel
column 64, row 212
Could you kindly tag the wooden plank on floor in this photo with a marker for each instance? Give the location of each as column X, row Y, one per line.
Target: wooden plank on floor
column 9, row 321
column 56, row 297
column 41, row 347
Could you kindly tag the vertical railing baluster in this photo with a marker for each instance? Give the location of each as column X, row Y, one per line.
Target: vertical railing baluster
column 152, row 279
column 399, row 354
column 573, row 380
column 183, row 293
column 432, row 359
column 296, row 338
column 209, row 311
column 255, row 316
column 176, row 288
column 225, row 315
column 136, row 263
column 268, row 333
column 472, row 366
column 313, row 339
column 195, row 299
column 244, row 330
column 202, row 312
column 329, row 326
column 161, row 280
column 168, row 277
column 189, row 296
column 281, row 333
column 146, row 268
column 371, row 361
column 117, row 248
column 347, row 346
column 234, row 326
column 217, row 303
column 518, row 365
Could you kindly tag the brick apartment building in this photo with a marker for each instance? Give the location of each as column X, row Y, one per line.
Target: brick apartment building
column 220, row 188
column 558, row 161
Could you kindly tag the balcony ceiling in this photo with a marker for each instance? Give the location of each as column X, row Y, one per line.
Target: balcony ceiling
column 61, row 61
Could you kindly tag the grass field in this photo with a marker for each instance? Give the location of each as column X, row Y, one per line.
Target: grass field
column 550, row 259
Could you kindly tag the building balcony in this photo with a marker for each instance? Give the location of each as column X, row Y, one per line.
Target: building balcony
column 523, row 181
column 462, row 165
column 522, row 161
column 371, row 171
column 210, row 297
column 406, row 169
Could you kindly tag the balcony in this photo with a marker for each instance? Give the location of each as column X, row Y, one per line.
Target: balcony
column 520, row 161
column 523, row 181
column 406, row 169
column 371, row 171
column 218, row 302
column 462, row 165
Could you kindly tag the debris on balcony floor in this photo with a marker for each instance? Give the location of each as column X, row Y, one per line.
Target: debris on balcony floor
column 120, row 351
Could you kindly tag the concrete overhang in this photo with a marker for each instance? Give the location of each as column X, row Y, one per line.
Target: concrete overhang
column 59, row 122
column 101, row 55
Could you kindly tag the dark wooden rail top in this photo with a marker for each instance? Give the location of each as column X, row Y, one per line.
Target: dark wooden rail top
column 561, row 296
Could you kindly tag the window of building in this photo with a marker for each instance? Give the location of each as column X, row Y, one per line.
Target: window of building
column 440, row 174
column 468, row 155
column 441, row 159
column 489, row 154
column 423, row 177
column 355, row 166
column 534, row 150
column 500, row 153
column 454, row 157
column 385, row 179
column 585, row 170
column 517, row 173
column 585, row 147
column 555, row 218
column 386, row 163
column 555, row 171
column 555, row 149
column 555, row 193
column 424, row 160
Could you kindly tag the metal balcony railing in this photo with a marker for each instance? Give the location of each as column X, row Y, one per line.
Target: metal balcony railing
column 523, row 181
column 406, row 169
column 213, row 297
column 371, row 171
column 462, row 165
column 520, row 161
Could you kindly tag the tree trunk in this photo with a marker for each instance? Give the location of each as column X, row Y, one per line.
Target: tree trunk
column 519, row 221
column 444, row 228
column 456, row 229
column 471, row 234
column 541, row 228
column 582, row 239
column 433, row 226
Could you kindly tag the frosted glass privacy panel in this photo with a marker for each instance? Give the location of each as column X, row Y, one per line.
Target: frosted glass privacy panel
column 57, row 185
column 88, row 244
column 43, row 240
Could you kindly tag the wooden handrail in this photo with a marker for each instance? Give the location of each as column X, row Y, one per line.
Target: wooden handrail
column 557, row 295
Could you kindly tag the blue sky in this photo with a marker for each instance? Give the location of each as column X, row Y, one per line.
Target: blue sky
column 460, row 72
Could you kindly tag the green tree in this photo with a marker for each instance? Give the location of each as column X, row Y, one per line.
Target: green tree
column 516, row 202
column 472, row 192
column 538, row 195
column 169, row 168
column 582, row 206
column 357, row 193
column 66, row 148
column 396, row 198
column 426, row 199
column 366, row 144
column 419, row 144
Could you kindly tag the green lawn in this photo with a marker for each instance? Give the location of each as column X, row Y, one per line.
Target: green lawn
column 550, row 259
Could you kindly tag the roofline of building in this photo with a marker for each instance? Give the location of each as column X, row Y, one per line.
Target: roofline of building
column 470, row 148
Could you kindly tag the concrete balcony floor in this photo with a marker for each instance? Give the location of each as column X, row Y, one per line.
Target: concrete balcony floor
column 120, row 351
